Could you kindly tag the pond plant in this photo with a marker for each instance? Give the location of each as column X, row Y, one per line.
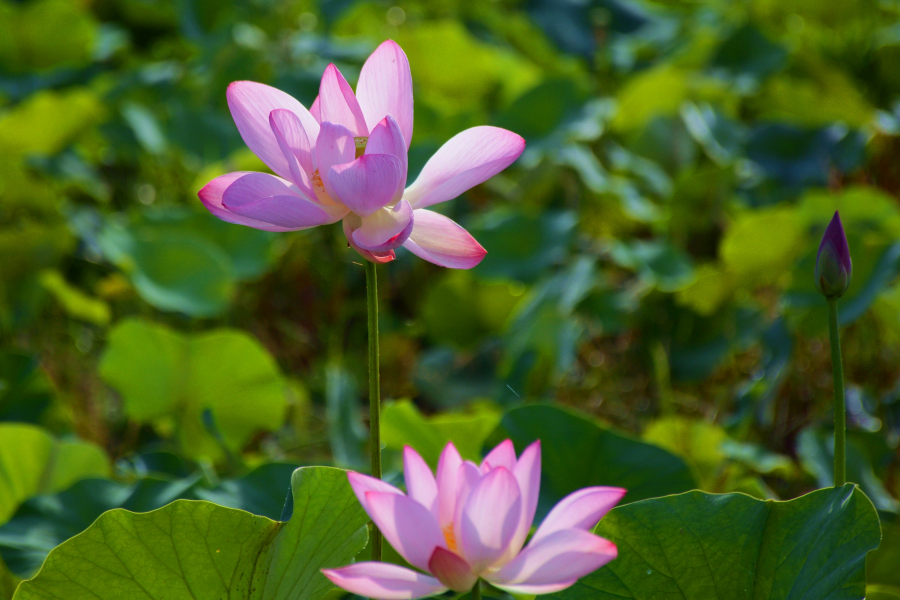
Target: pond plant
column 618, row 391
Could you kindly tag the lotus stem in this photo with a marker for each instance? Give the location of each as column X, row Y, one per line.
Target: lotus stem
column 476, row 590
column 374, row 392
column 840, row 411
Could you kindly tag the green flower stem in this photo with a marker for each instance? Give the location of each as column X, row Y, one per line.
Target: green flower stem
column 840, row 411
column 374, row 392
column 476, row 590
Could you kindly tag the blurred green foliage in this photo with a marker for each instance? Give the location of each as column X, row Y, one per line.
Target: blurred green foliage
column 649, row 266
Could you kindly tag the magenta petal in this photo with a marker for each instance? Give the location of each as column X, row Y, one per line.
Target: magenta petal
column 384, row 580
column 350, row 224
column 503, row 455
column 387, row 139
column 409, row 527
column 295, row 146
column 489, row 519
column 250, row 104
column 366, row 184
column 386, row 228
column 469, row 158
column 315, row 111
column 338, row 104
column 385, row 88
column 420, row 483
column 466, row 479
column 261, row 201
column 451, row 570
column 442, row 241
column 291, row 212
column 560, row 557
column 334, row 146
column 447, row 473
column 211, row 196
column 270, row 199
column 362, row 484
column 579, row 510
column 528, row 473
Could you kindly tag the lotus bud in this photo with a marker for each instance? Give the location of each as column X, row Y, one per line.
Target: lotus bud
column 833, row 266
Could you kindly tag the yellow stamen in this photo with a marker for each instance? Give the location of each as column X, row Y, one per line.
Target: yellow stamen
column 450, row 537
column 360, row 145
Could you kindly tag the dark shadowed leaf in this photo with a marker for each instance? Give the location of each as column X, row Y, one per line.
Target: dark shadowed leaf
column 699, row 546
column 578, row 453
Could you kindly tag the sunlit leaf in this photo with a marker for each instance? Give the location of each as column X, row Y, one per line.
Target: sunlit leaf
column 162, row 374
column 402, row 424
column 75, row 302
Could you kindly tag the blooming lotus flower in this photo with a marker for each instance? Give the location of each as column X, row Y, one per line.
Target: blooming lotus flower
column 833, row 265
column 346, row 159
column 471, row 521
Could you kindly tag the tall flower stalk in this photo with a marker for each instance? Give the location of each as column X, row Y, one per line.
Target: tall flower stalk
column 374, row 391
column 345, row 159
column 833, row 272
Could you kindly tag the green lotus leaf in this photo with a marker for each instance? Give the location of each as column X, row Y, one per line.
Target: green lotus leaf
column 199, row 550
column 699, row 546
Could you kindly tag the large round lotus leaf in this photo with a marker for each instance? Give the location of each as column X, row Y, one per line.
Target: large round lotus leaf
column 224, row 373
column 699, row 546
column 195, row 549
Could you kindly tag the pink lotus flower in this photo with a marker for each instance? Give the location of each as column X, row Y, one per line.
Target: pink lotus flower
column 471, row 522
column 346, row 158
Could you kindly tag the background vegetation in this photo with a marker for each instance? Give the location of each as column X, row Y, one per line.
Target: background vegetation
column 649, row 267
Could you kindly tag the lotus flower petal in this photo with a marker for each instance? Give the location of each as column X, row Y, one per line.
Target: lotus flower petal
column 503, row 455
column 579, row 510
column 385, row 88
column 250, row 104
column 366, row 184
column 409, row 527
column 528, row 473
column 338, row 104
column 263, row 201
column 451, row 570
column 351, row 223
column 420, row 482
column 447, row 474
column 387, row 139
column 384, row 580
column 362, row 484
column 385, row 229
column 295, row 147
column 440, row 240
column 469, row 158
column 490, row 519
column 334, row 146
column 211, row 196
column 561, row 557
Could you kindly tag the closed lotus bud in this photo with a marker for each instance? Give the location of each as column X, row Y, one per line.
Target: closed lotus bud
column 833, row 266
